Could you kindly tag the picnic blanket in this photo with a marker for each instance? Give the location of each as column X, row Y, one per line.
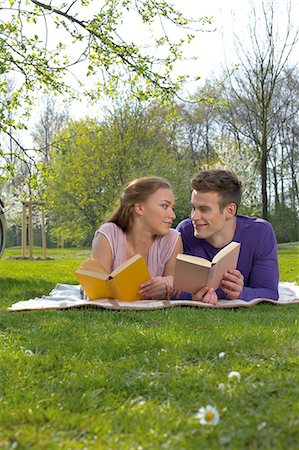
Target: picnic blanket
column 65, row 296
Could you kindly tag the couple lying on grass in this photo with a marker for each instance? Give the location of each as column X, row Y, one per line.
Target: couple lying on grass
column 142, row 223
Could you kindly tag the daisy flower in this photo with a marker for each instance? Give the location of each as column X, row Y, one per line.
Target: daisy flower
column 208, row 415
column 234, row 376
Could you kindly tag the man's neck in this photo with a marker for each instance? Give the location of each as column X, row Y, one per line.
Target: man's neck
column 225, row 236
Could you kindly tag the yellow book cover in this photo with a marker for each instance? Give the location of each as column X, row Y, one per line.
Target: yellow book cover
column 93, row 278
column 192, row 272
column 123, row 283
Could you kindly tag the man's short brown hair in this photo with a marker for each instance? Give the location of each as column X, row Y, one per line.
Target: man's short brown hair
column 224, row 182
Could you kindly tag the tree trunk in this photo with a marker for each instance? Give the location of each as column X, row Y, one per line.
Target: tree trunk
column 264, row 173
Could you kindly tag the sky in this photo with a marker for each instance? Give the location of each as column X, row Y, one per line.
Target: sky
column 212, row 48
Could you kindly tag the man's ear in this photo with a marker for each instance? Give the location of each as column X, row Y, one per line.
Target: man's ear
column 231, row 210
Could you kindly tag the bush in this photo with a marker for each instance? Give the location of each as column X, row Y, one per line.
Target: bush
column 285, row 223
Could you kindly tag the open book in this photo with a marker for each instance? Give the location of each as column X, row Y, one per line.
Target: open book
column 192, row 272
column 122, row 283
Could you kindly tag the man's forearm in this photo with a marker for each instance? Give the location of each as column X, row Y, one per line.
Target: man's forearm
column 249, row 293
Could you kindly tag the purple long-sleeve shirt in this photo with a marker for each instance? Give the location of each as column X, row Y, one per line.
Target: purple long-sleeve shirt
column 258, row 260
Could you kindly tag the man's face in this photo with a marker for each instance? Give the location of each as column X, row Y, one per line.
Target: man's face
column 208, row 220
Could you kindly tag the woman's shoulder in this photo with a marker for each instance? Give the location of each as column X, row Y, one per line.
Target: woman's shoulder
column 110, row 228
column 168, row 239
column 173, row 233
column 163, row 247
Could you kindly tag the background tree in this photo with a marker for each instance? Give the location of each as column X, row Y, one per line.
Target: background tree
column 52, row 116
column 96, row 159
column 253, row 101
column 41, row 44
column 199, row 122
column 243, row 162
column 286, row 157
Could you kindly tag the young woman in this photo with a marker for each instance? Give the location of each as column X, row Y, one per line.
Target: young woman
column 142, row 224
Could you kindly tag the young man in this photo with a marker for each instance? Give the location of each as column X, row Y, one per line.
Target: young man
column 214, row 223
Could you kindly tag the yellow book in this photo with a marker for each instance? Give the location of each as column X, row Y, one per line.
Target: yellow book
column 192, row 272
column 123, row 283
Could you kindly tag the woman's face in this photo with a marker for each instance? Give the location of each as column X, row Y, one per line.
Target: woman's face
column 157, row 213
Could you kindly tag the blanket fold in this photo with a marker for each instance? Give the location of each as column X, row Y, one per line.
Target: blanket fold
column 65, row 296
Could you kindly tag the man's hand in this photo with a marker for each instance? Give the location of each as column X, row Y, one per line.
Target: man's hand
column 205, row 295
column 158, row 288
column 232, row 284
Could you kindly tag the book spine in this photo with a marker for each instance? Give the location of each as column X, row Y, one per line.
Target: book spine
column 214, row 277
column 114, row 288
column 120, row 294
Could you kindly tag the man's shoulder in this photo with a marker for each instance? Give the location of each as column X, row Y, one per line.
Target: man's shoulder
column 184, row 225
column 249, row 222
column 254, row 228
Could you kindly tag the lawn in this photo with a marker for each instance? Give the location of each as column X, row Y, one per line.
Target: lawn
column 97, row 379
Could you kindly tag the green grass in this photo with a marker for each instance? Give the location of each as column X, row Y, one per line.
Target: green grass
column 288, row 256
column 96, row 379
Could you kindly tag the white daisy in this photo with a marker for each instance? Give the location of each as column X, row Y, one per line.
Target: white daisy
column 208, row 415
column 261, row 426
column 221, row 387
column 234, row 376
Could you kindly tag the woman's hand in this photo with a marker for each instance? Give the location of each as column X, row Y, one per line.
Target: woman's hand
column 158, row 288
column 206, row 295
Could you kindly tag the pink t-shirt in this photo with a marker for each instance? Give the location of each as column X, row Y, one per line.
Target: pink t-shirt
column 159, row 252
